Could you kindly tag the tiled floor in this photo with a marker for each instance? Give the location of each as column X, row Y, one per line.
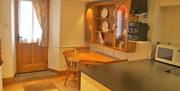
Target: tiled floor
column 53, row 83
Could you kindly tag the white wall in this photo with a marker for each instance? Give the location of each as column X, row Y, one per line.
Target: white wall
column 54, row 35
column 7, row 39
column 66, row 29
column 72, row 23
column 170, row 25
column 13, row 35
column 155, row 16
column 72, row 26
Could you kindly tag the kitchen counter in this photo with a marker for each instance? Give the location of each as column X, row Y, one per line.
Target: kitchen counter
column 141, row 75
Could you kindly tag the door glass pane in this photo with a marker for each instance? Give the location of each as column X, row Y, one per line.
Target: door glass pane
column 25, row 21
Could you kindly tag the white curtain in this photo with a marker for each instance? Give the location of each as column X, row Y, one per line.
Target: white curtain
column 42, row 10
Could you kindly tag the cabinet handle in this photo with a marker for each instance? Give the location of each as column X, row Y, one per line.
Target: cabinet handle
column 178, row 50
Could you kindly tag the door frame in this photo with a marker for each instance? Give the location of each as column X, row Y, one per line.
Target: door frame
column 18, row 66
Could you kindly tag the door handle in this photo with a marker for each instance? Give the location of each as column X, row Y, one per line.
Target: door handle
column 19, row 37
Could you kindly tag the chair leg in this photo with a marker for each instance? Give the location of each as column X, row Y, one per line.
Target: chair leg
column 67, row 76
column 75, row 75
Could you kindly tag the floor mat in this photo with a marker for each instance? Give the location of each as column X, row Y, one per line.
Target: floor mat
column 34, row 76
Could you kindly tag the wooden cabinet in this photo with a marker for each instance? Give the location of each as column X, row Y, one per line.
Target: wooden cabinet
column 107, row 24
column 89, row 84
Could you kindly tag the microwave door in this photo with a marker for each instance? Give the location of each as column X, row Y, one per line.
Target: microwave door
column 165, row 53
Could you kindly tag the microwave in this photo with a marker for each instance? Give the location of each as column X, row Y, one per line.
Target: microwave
column 169, row 54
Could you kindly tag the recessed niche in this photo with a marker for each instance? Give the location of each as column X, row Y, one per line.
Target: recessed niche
column 89, row 17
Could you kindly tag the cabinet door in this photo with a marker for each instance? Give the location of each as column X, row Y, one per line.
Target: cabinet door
column 88, row 84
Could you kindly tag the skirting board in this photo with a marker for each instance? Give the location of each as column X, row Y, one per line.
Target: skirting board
column 8, row 80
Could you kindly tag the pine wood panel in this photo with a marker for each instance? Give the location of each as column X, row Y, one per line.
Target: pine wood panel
column 31, row 57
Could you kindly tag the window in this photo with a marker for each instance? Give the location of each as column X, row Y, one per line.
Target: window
column 30, row 30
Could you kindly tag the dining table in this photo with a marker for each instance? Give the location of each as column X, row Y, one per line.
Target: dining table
column 94, row 58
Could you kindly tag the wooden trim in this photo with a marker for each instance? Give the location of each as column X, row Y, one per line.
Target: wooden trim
column 16, row 7
column 9, row 80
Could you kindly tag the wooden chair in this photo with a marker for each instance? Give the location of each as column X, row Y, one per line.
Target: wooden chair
column 82, row 49
column 71, row 65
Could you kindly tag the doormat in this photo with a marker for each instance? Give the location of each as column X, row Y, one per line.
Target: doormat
column 34, row 76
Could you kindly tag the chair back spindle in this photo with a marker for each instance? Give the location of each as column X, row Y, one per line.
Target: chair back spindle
column 82, row 49
column 71, row 64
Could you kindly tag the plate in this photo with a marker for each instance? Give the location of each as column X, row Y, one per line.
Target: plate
column 105, row 26
column 104, row 13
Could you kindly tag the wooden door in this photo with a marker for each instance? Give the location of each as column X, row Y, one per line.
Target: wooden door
column 30, row 56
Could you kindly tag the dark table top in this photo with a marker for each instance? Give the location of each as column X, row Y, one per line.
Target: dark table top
column 141, row 75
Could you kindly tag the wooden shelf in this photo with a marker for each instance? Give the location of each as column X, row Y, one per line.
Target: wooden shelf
column 110, row 37
column 103, row 45
column 105, row 18
column 111, row 31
